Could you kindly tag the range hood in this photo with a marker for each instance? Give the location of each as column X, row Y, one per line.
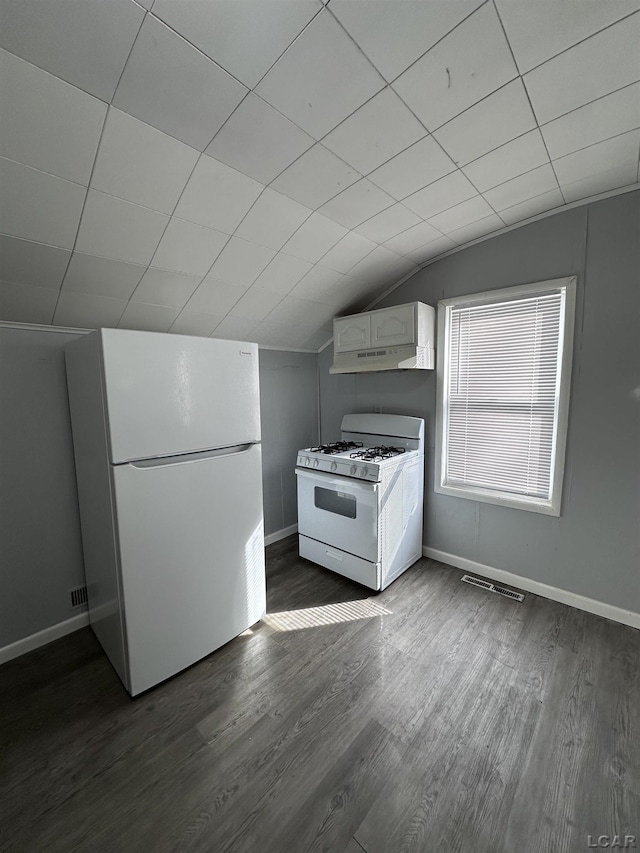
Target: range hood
column 409, row 357
column 398, row 338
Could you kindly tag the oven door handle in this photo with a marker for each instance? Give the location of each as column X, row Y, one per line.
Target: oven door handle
column 340, row 483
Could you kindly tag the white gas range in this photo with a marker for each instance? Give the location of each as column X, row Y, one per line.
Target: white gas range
column 360, row 499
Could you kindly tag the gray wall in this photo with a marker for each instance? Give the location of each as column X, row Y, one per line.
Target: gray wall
column 40, row 544
column 289, row 410
column 593, row 548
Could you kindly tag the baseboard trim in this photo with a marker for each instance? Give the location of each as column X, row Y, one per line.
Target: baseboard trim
column 280, row 534
column 41, row 638
column 573, row 599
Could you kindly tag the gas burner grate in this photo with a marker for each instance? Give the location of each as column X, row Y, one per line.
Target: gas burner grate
column 336, row 447
column 377, row 454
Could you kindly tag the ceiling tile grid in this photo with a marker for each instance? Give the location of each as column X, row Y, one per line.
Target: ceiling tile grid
column 250, row 169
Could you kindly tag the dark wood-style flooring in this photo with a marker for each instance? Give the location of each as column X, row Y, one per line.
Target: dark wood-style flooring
column 431, row 717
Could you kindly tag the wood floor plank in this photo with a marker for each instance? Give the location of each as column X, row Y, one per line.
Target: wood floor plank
column 431, row 716
column 334, row 808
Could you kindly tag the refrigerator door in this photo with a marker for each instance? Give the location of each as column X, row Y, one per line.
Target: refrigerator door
column 173, row 394
column 191, row 557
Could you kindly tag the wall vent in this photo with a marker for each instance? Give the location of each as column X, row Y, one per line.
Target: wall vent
column 501, row 590
column 78, row 596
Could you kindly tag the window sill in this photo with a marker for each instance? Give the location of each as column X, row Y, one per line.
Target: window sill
column 544, row 507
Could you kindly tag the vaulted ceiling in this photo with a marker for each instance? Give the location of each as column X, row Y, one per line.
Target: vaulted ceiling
column 251, row 168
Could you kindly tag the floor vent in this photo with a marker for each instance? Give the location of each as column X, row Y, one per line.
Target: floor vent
column 508, row 593
column 78, row 596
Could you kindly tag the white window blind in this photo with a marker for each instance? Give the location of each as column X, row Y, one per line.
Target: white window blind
column 500, row 401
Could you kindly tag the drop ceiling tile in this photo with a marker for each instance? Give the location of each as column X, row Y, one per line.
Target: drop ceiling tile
column 606, row 117
column 531, row 207
column 101, row 276
column 413, row 238
column 393, row 35
column 24, row 262
column 235, row 329
column 261, row 155
column 46, row 123
column 497, row 119
column 25, row 304
column 255, row 304
column 217, row 196
column 531, row 184
column 272, row 220
column 319, row 338
column 480, row 228
column 88, row 311
column 304, row 312
column 141, row 164
column 314, row 238
column 432, row 250
column 508, row 161
column 215, row 297
column 170, row 85
column 241, row 262
column 282, row 274
column 611, row 179
column 188, row 248
column 383, row 226
column 117, row 229
column 377, row 131
column 441, row 195
column 358, row 202
column 461, row 214
column 613, row 52
column 245, row 38
column 148, row 318
column 321, row 79
column 343, row 295
column 37, row 206
column 163, row 287
column 271, row 334
column 467, row 65
column 316, row 283
column 352, row 248
column 315, row 177
column 85, row 43
column 420, row 165
column 614, row 153
column 195, row 323
column 381, row 265
column 538, row 31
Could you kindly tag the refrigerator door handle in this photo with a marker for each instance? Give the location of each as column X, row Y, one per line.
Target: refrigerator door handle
column 165, row 461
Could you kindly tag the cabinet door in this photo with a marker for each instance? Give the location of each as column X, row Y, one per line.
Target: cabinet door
column 393, row 326
column 352, row 333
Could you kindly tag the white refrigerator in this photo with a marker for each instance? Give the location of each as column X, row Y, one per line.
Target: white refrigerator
column 166, row 433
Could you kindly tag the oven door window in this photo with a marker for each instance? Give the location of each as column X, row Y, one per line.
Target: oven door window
column 340, row 503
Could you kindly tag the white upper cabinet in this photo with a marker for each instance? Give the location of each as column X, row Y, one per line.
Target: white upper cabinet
column 393, row 326
column 352, row 333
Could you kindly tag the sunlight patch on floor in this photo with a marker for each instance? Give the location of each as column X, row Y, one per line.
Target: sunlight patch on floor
column 327, row 614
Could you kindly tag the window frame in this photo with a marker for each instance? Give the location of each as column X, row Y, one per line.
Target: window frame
column 552, row 505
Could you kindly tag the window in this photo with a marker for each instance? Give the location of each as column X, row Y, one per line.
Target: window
column 504, row 370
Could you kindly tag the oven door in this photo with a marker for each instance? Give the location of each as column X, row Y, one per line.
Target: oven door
column 340, row 512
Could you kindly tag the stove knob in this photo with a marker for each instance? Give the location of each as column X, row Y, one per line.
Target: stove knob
column 315, row 463
column 334, row 466
column 352, row 470
column 307, row 462
column 364, row 471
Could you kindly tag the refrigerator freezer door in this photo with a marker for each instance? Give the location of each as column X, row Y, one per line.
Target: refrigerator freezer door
column 172, row 394
column 191, row 555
